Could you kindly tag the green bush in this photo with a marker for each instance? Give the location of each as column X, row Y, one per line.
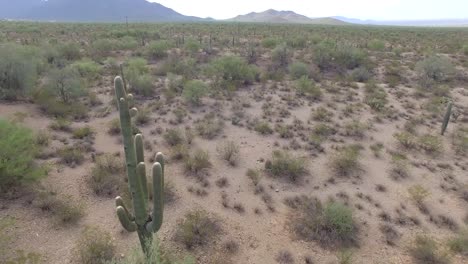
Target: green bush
column 193, row 91
column 107, row 176
column 192, row 46
column 65, row 84
column 361, row 74
column 198, row 161
column 328, row 55
column 17, row 151
column 263, row 128
column 331, row 226
column 286, row 165
column 18, row 71
column 376, row 45
column 87, row 69
column 94, row 246
column 376, row 97
column 157, row 49
column 83, row 132
column 173, row 137
column 298, row 70
column 460, row 243
column 269, row 43
column 70, row 51
column 346, row 162
column 306, row 86
column 142, row 85
column 209, row 127
column 281, row 56
column 64, row 209
column 231, row 72
column 71, row 156
column 460, row 141
column 197, row 229
column 434, row 69
column 425, row 250
column 102, row 48
column 465, row 49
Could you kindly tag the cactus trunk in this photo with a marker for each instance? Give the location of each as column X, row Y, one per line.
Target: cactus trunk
column 142, row 221
column 447, row 118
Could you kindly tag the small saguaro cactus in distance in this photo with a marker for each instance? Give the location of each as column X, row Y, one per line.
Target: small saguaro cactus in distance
column 447, row 118
column 141, row 220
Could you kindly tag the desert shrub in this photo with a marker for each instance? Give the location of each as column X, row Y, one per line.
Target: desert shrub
column 287, row 166
column 17, row 151
column 322, row 114
column 142, row 85
column 180, row 152
column 306, row 86
column 94, row 246
column 193, row 91
column 281, row 56
column 434, row 69
column 330, row 225
column 157, row 49
column 298, row 69
column 126, row 43
column 176, row 64
column 376, row 97
column 284, row 257
column 209, row 127
column 138, row 77
column 192, row 46
column 361, row 74
column 263, row 128
column 426, row 251
column 102, row 48
column 142, row 117
column 356, row 129
column 465, row 49
column 83, row 132
column 87, row 69
column 431, row 144
column 230, row 152
column 376, row 45
column 328, row 55
column 64, row 209
column 65, row 84
column 71, row 156
column 198, row 161
column 460, row 141
column 197, row 229
column 269, row 43
column 231, row 72
column 155, row 254
column 173, row 137
column 69, row 51
column 459, row 244
column 114, row 127
column 18, row 71
column 406, row 140
column 345, row 163
column 107, row 175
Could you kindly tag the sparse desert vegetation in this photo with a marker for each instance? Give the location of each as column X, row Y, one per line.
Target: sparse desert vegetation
column 284, row 143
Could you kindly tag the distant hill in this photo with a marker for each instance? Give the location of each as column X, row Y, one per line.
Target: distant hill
column 90, row 11
column 274, row 16
column 434, row 23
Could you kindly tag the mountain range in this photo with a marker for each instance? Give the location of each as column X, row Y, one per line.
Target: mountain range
column 144, row 11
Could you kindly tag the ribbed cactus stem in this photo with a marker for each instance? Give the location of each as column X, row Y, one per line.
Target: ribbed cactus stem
column 141, row 221
column 447, row 118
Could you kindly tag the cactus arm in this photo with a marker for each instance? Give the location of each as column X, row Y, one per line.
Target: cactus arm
column 124, row 219
column 160, row 160
column 141, row 172
column 119, row 202
column 447, row 118
column 158, row 198
column 141, row 159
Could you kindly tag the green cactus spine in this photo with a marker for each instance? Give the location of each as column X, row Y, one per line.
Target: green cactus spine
column 141, row 221
column 447, row 118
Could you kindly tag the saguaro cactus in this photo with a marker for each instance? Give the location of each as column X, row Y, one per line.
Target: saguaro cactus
column 141, row 220
column 447, row 118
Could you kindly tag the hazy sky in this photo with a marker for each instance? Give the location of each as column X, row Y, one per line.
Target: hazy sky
column 362, row 9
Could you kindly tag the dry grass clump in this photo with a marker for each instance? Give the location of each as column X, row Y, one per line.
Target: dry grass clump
column 330, row 225
column 107, row 176
column 197, row 229
column 94, row 246
column 198, row 161
column 230, row 152
column 426, row 251
column 346, row 162
column 287, row 166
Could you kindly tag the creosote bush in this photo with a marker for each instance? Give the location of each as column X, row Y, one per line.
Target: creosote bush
column 230, row 152
column 198, row 161
column 425, row 250
column 194, row 91
column 17, row 151
column 94, row 246
column 287, row 166
column 434, row 69
column 197, row 229
column 346, row 162
column 231, row 72
column 107, row 176
column 330, row 225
